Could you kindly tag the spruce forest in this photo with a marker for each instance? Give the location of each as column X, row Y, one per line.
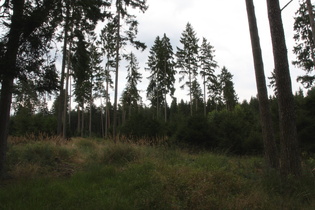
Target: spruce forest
column 96, row 120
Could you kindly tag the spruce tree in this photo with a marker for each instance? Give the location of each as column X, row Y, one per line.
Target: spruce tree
column 162, row 68
column 270, row 149
column 304, row 48
column 289, row 150
column 208, row 66
column 131, row 96
column 187, row 60
column 76, row 15
column 227, row 85
column 122, row 16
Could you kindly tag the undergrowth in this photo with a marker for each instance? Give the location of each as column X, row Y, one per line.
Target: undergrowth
column 99, row 174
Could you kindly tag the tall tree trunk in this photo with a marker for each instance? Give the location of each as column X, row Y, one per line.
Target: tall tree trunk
column 157, row 100
column 82, row 125
column 312, row 22
column 204, row 96
column 271, row 153
column 79, row 121
column 65, row 104
column 190, row 97
column 90, row 120
column 165, row 105
column 290, row 161
column 107, row 112
column 116, row 77
column 63, row 67
column 8, row 78
column 102, row 123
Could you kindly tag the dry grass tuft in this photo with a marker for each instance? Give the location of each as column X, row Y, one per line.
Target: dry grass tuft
column 42, row 137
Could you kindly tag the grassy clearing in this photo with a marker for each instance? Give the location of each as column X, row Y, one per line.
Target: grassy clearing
column 97, row 174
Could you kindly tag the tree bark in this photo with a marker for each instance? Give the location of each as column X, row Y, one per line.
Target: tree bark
column 65, row 100
column 311, row 17
column 63, row 67
column 290, row 161
column 8, row 78
column 82, row 125
column 106, row 112
column 116, row 77
column 79, row 120
column 270, row 149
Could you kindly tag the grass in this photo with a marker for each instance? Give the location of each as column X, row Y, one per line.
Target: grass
column 97, row 174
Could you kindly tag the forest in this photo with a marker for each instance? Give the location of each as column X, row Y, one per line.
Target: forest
column 66, row 129
column 95, row 38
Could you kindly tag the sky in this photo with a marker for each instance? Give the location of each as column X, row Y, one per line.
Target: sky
column 224, row 24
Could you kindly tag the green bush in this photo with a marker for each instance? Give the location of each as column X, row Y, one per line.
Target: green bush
column 140, row 126
column 196, row 131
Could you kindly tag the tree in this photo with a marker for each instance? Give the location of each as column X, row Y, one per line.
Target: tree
column 168, row 70
column 30, row 26
column 162, row 66
column 155, row 66
column 97, row 77
column 304, row 47
column 289, row 154
column 122, row 14
column 271, row 154
column 108, row 37
column 76, row 15
column 81, row 74
column 208, row 65
column 228, row 91
column 187, row 59
column 131, row 96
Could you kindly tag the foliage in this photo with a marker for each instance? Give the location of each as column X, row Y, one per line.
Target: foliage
column 131, row 97
column 196, row 131
column 304, row 45
column 229, row 95
column 161, row 66
column 134, row 128
column 187, row 61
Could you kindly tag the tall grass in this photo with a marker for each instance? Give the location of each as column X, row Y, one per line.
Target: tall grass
column 98, row 174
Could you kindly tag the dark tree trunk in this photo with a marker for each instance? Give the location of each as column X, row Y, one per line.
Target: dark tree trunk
column 82, row 125
column 290, row 161
column 8, row 76
column 79, row 120
column 116, row 77
column 62, row 79
column 271, row 153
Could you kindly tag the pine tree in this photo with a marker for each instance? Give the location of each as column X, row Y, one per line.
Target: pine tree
column 162, row 67
column 229, row 95
column 304, row 48
column 30, row 28
column 121, row 40
column 289, row 154
column 271, row 153
column 81, row 74
column 208, row 65
column 97, row 76
column 187, row 59
column 77, row 15
column 108, row 37
column 131, row 96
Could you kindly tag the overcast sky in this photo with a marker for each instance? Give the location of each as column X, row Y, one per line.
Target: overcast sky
column 224, row 24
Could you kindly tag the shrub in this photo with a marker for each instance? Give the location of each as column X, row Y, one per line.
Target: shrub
column 140, row 126
column 196, row 131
